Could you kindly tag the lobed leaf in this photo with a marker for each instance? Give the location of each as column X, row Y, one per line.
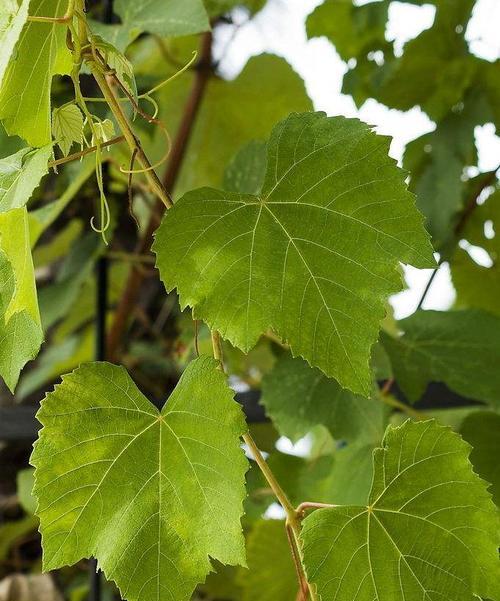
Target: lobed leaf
column 429, row 531
column 313, row 257
column 20, row 174
column 67, row 126
column 150, row 494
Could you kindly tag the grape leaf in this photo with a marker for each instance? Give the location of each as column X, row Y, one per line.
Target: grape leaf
column 13, row 16
column 481, row 429
column 246, row 170
column 20, row 329
column 119, row 63
column 166, row 19
column 352, row 29
column 271, row 575
column 150, row 494
column 24, row 481
column 25, row 93
column 459, row 348
column 20, row 174
column 67, row 126
column 430, row 530
column 298, row 397
column 313, row 257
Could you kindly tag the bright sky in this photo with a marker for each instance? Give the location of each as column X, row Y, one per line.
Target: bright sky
column 279, row 28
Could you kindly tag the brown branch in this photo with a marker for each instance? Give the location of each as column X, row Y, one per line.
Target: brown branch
column 136, row 277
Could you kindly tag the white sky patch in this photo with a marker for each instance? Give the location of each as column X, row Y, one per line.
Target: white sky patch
column 488, row 146
column 440, row 297
column 479, row 255
column 300, row 449
column 482, row 32
column 406, row 22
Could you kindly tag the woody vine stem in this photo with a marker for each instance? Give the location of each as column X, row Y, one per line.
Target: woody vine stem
column 84, row 50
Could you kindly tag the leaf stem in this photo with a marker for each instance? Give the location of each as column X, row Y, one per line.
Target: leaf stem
column 129, row 135
column 392, row 401
column 78, row 155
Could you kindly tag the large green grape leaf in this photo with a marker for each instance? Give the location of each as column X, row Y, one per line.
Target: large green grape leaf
column 298, row 397
column 481, row 429
column 459, row 348
column 20, row 174
column 428, row 532
column 13, row 15
column 313, row 257
column 271, row 574
column 41, row 53
column 20, row 328
column 150, row 494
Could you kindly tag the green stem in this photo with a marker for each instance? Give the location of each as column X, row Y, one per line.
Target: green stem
column 130, row 137
column 292, row 516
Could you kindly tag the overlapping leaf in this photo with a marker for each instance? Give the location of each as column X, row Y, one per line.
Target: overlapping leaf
column 231, row 115
column 166, row 19
column 13, row 15
column 20, row 174
column 313, row 257
column 41, row 53
column 297, row 398
column 20, row 327
column 459, row 348
column 429, row 531
column 481, row 429
column 151, row 494
column 271, row 574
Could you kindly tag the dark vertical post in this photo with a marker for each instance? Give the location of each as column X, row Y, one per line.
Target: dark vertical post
column 101, row 305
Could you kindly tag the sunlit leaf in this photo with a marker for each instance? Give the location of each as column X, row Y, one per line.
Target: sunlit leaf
column 151, row 494
column 291, row 259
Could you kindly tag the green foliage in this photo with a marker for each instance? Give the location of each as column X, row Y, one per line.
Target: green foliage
column 25, row 91
column 153, row 16
column 233, row 114
column 292, row 253
column 478, row 286
column 298, row 398
column 482, row 431
column 67, row 126
column 165, row 488
column 460, row 348
column 12, row 19
column 20, row 329
column 271, row 574
column 316, row 287
column 20, row 174
column 429, row 529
